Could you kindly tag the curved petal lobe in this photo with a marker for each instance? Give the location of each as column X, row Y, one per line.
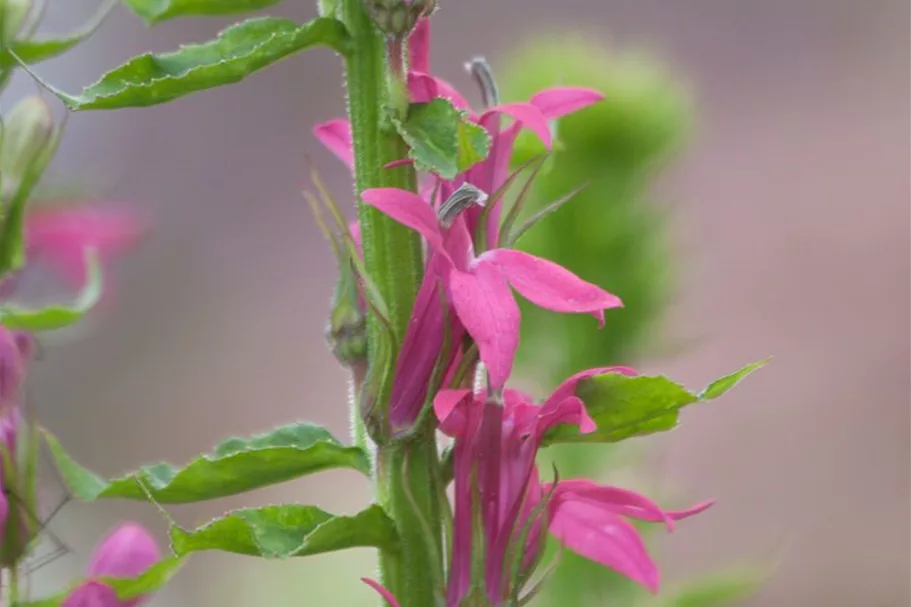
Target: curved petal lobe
column 559, row 101
column 335, row 136
column 408, row 209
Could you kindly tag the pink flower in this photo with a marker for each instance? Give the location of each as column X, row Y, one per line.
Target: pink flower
column 479, row 287
column 127, row 552
column 496, row 443
column 61, row 235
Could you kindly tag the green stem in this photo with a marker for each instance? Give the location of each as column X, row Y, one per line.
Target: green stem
column 405, row 470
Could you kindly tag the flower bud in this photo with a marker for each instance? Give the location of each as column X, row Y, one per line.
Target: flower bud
column 346, row 331
column 20, row 525
column 126, row 552
column 396, row 18
column 28, row 137
column 13, row 14
column 14, row 353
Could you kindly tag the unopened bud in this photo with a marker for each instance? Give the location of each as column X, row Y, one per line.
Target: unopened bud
column 13, row 14
column 28, row 138
column 347, row 328
column 396, row 18
column 17, row 480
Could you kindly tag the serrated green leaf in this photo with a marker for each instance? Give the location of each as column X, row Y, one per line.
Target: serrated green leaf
column 624, row 407
column 155, row 11
column 55, row 317
column 32, row 51
column 147, row 582
column 235, row 466
column 287, row 530
column 237, row 52
column 442, row 139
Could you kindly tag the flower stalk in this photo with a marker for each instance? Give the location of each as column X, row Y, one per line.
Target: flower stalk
column 406, row 470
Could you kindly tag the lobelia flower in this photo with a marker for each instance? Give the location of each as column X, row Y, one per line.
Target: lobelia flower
column 430, row 321
column 496, row 480
column 479, row 287
column 127, row 552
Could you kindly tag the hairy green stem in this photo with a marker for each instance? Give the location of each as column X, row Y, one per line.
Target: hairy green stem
column 406, row 471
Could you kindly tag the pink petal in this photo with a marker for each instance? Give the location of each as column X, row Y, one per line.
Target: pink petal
column 549, row 285
column 382, row 591
column 92, row 594
column 419, row 47
column 678, row 515
column 446, row 405
column 127, row 552
column 605, row 538
column 570, row 410
column 408, row 209
column 528, row 115
column 335, row 135
column 487, row 308
column 424, row 88
column 617, row 500
column 557, row 102
column 568, row 387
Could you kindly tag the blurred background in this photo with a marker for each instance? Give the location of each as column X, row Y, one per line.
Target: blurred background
column 790, row 227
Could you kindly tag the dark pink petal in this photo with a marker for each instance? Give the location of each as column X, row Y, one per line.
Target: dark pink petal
column 604, row 537
column 570, row 410
column 618, row 501
column 127, row 552
column 419, row 47
column 382, row 591
column 568, row 387
column 424, row 88
column 402, row 162
column 528, row 115
column 678, row 515
column 549, row 285
column 408, row 209
column 447, row 405
column 335, row 135
column 92, row 594
column 488, row 310
column 559, row 101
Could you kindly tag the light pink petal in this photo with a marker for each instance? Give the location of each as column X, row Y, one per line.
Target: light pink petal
column 605, row 538
column 424, row 88
column 62, row 235
column 382, row 591
column 568, row 387
column 408, row 209
column 559, row 101
column 528, row 115
column 335, row 135
column 419, row 47
column 446, row 405
column 570, row 410
column 127, row 552
column 92, row 594
column 551, row 286
column 617, row 500
column 487, row 308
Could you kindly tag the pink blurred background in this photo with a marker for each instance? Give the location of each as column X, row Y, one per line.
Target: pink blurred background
column 793, row 200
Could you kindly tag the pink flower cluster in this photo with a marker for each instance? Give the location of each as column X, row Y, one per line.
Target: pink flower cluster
column 497, row 432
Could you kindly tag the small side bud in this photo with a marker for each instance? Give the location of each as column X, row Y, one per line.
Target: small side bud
column 13, row 14
column 29, row 137
column 346, row 330
column 396, row 18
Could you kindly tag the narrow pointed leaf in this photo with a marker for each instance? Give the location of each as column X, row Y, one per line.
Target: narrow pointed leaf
column 235, row 466
column 624, row 406
column 155, row 11
column 287, row 530
column 442, row 139
column 236, row 53
column 55, row 317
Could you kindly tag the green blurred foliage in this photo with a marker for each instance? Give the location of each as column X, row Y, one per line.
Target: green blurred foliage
column 611, row 234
